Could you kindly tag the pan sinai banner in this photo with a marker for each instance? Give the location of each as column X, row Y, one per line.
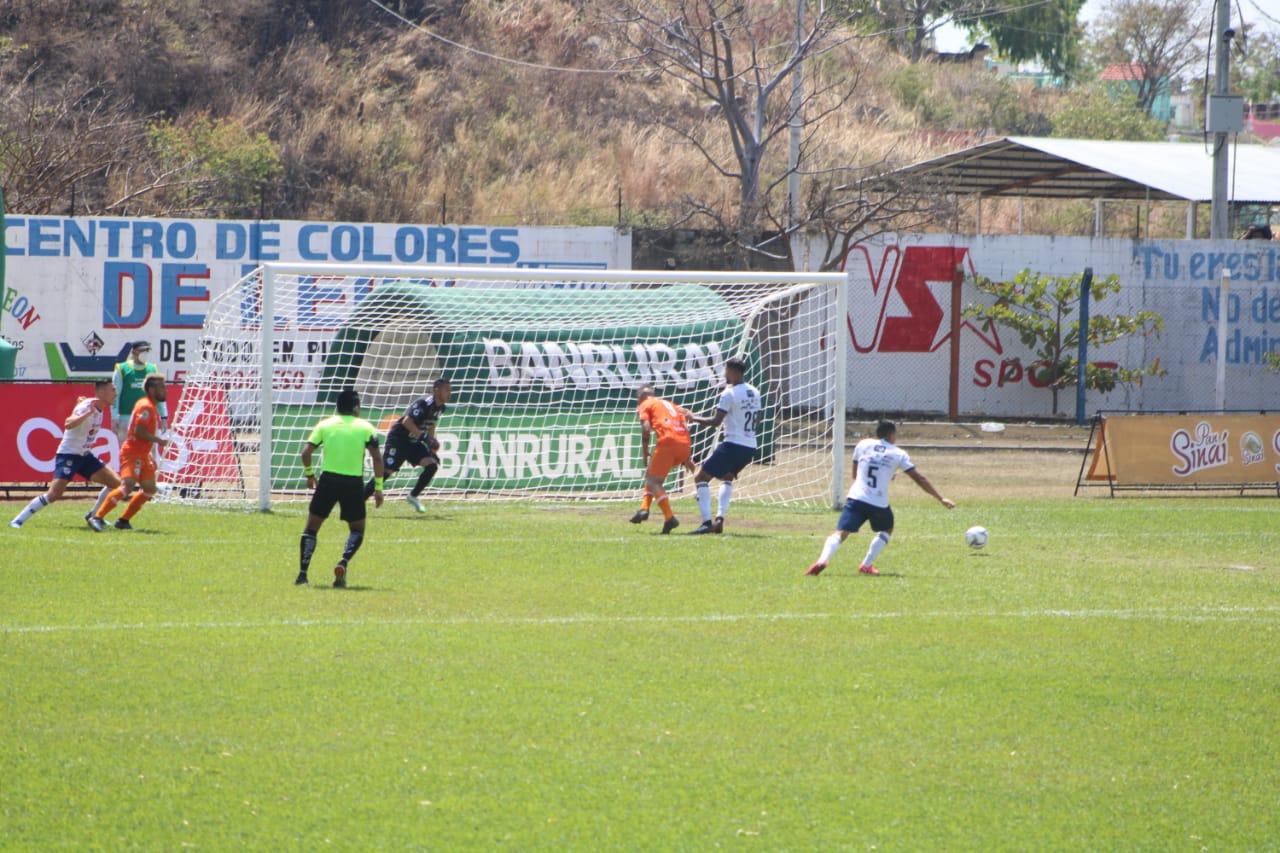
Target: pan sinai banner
column 1167, row 450
column 78, row 290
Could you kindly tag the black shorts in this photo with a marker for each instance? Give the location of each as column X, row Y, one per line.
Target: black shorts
column 402, row 450
column 347, row 492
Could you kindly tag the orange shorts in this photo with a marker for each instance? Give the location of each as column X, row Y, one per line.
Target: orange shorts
column 135, row 466
column 667, row 455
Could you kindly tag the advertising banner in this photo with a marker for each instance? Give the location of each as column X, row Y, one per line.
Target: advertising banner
column 77, row 290
column 548, row 452
column 900, row 309
column 31, row 426
column 1170, row 450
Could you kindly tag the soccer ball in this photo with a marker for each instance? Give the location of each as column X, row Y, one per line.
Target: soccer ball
column 976, row 537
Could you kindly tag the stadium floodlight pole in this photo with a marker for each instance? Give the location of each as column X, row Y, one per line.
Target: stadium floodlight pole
column 839, row 403
column 1219, row 214
column 267, row 323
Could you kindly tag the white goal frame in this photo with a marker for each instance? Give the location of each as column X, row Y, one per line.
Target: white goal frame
column 270, row 272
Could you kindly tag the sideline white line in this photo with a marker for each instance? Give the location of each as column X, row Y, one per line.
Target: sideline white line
column 1206, row 614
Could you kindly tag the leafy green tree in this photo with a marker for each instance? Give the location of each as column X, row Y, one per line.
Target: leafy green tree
column 1158, row 39
column 216, row 163
column 1046, row 31
column 1255, row 72
column 1044, row 312
column 1094, row 113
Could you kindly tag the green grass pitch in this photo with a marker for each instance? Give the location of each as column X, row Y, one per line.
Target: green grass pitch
column 1102, row 677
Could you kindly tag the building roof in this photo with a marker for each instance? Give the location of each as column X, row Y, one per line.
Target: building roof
column 1038, row 167
column 1126, row 71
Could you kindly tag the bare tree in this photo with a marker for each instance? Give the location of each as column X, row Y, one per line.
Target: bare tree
column 740, row 59
column 850, row 205
column 57, row 149
column 1158, row 39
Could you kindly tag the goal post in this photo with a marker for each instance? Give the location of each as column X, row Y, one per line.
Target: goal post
column 544, row 365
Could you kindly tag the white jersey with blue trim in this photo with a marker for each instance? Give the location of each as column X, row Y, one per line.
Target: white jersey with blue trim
column 741, row 405
column 876, row 461
column 79, row 439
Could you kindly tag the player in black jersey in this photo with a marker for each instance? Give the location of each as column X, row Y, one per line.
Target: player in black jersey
column 412, row 440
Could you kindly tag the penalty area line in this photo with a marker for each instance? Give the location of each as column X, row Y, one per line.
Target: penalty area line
column 1207, row 614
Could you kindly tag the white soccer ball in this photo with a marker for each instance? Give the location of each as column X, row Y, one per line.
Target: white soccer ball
column 976, row 537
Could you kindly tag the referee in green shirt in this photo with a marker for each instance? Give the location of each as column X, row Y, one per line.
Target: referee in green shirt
column 345, row 437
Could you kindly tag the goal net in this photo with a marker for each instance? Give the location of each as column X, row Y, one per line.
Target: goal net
column 544, row 366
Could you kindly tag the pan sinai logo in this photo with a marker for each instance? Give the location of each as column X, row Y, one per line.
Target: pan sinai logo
column 1251, row 450
column 897, row 304
column 1199, row 451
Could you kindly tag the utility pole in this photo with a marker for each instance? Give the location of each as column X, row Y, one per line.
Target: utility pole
column 797, row 101
column 1216, row 117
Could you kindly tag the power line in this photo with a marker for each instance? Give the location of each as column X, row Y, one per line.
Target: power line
column 1268, row 16
column 506, row 59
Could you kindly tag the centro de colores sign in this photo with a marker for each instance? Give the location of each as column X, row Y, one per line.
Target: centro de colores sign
column 79, row 289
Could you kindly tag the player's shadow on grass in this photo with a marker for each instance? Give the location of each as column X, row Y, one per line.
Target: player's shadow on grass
column 854, row 575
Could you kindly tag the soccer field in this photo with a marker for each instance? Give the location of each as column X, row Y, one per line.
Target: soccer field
column 1103, row 676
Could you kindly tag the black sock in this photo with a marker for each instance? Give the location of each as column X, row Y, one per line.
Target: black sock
column 353, row 545
column 307, row 548
column 424, row 479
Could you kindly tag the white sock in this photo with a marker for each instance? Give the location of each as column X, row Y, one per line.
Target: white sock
column 32, row 508
column 877, row 545
column 704, row 500
column 102, row 498
column 829, row 548
column 726, row 493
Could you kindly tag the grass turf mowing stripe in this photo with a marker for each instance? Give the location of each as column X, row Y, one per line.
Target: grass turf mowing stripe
column 1264, row 615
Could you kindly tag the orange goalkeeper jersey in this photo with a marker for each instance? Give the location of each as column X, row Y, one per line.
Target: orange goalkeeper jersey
column 664, row 419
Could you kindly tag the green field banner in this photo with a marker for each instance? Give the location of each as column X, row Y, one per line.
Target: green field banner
column 511, row 353
column 551, row 452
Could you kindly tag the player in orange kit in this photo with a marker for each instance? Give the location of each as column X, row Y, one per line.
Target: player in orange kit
column 137, row 465
column 666, row 420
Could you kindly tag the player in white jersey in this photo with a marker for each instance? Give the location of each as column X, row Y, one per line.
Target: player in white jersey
column 876, row 460
column 739, row 412
column 75, row 454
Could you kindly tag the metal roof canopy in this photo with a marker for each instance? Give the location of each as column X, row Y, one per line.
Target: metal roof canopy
column 1038, row 167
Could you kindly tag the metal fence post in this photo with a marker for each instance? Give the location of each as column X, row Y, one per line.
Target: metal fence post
column 1082, row 357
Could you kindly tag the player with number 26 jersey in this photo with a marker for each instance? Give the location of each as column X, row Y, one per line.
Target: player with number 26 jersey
column 739, row 412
